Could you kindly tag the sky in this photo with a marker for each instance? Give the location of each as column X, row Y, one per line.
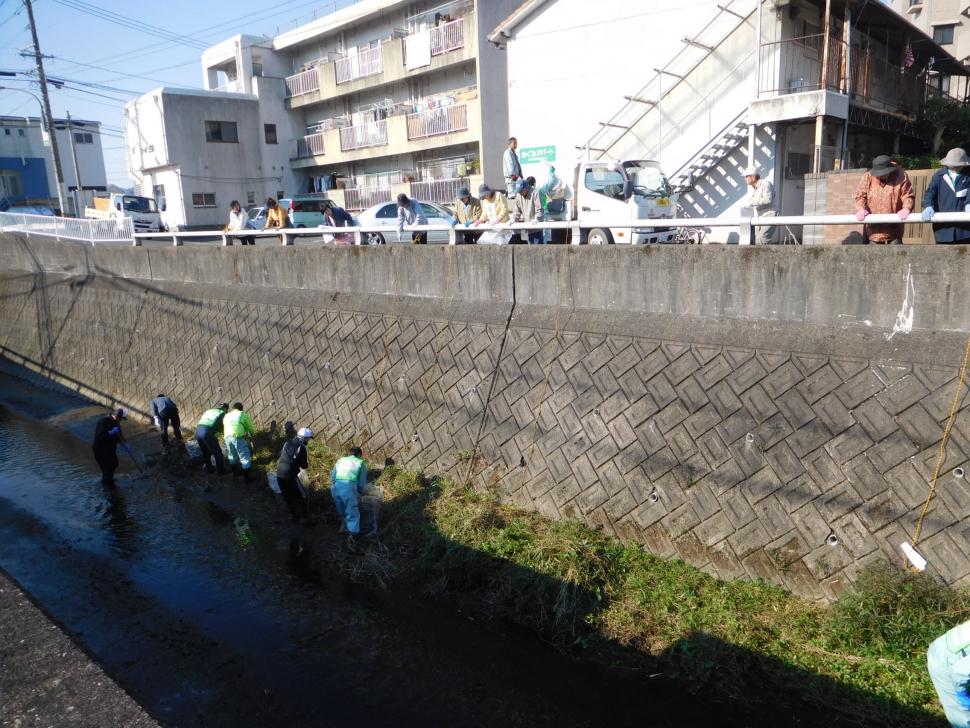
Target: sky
column 107, row 59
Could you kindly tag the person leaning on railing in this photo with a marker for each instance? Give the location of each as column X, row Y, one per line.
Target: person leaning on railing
column 276, row 217
column 467, row 211
column 238, row 218
column 947, row 192
column 409, row 212
column 884, row 190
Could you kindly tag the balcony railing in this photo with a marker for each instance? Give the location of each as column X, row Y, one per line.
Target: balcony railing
column 437, row 121
column 794, row 65
column 373, row 134
column 309, row 146
column 303, row 83
column 363, row 197
column 366, row 63
column 442, row 191
column 448, row 37
column 876, row 81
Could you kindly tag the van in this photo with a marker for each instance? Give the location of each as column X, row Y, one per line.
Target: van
column 305, row 210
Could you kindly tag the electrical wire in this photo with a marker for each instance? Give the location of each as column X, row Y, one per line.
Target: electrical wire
column 131, row 23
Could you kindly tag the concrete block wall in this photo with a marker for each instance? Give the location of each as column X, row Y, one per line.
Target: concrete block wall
column 734, row 407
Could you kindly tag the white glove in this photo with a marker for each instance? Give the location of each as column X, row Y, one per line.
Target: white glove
column 158, row 423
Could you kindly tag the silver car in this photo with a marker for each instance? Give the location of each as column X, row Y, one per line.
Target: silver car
column 385, row 215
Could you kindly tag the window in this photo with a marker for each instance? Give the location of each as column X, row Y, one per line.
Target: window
column 203, row 199
column 387, row 212
column 7, row 132
column 914, row 3
column 139, row 204
column 250, row 198
column 221, row 131
column 83, row 137
column 20, row 132
column 269, row 133
column 943, row 34
column 308, row 205
column 11, row 184
column 158, row 192
column 605, row 181
column 279, row 194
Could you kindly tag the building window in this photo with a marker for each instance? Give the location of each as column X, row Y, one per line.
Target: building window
column 20, row 132
column 221, row 131
column 250, row 198
column 158, row 192
column 83, row 137
column 203, row 199
column 280, row 194
column 269, row 133
column 7, row 132
column 914, row 3
column 943, row 34
column 11, row 184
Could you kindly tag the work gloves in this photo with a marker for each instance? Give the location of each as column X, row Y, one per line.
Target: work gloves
column 927, row 214
column 904, row 213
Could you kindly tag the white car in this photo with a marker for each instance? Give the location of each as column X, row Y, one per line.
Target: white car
column 385, row 215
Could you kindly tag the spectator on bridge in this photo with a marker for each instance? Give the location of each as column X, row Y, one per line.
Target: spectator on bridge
column 526, row 208
column 348, row 481
column 884, row 190
column 335, row 216
column 761, row 200
column 238, row 222
column 276, row 216
column 947, row 192
column 495, row 211
column 410, row 212
column 205, row 436
column 292, row 460
column 948, row 661
column 237, row 426
column 511, row 168
column 165, row 413
column 107, row 435
column 467, row 211
column 558, row 198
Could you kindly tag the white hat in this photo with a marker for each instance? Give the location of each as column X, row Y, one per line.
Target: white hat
column 955, row 158
column 752, row 172
column 305, row 432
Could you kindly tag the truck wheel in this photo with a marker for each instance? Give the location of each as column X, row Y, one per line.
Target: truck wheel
column 598, row 236
column 374, row 239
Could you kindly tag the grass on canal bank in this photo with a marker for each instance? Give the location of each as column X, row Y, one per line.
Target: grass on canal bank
column 584, row 591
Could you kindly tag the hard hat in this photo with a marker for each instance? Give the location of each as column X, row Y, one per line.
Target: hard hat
column 305, row 432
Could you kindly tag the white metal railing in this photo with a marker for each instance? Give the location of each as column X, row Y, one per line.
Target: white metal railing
column 373, row 134
column 113, row 230
column 303, row 83
column 359, row 65
column 310, row 146
column 360, row 198
column 448, row 37
column 433, row 122
column 438, row 190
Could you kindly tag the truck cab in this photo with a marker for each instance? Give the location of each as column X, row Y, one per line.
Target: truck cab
column 143, row 211
column 608, row 191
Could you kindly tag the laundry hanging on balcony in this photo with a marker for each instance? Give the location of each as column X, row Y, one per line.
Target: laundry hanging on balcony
column 417, row 50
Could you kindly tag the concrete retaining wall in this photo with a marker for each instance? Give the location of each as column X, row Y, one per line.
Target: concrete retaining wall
column 731, row 406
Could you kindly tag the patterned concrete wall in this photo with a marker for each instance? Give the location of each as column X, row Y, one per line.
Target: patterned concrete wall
column 745, row 445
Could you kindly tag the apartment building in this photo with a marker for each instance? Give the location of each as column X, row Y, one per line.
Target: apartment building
column 948, row 23
column 379, row 98
column 791, row 86
column 27, row 174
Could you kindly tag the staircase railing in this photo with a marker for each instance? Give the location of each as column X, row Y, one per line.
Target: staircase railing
column 684, row 169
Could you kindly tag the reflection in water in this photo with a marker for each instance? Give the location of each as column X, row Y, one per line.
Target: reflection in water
column 124, row 530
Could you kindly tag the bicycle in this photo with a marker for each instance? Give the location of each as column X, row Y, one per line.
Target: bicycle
column 689, row 235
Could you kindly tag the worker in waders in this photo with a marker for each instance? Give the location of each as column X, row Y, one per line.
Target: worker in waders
column 205, row 435
column 107, row 435
column 237, row 425
column 293, row 459
column 165, row 413
column 349, row 480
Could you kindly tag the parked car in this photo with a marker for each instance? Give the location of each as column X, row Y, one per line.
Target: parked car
column 257, row 218
column 385, row 215
column 305, row 210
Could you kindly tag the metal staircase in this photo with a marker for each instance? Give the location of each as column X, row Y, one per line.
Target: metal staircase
column 732, row 136
column 695, row 51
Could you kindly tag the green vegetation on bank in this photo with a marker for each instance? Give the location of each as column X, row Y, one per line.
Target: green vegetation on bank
column 588, row 593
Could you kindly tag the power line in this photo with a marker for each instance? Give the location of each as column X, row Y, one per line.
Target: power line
column 130, row 23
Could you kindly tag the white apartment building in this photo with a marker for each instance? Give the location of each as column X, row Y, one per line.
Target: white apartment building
column 27, row 175
column 791, row 86
column 381, row 97
column 948, row 23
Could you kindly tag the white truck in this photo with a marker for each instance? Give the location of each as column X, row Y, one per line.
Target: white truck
column 143, row 211
column 610, row 191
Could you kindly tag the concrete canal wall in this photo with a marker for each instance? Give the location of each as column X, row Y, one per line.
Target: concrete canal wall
column 768, row 413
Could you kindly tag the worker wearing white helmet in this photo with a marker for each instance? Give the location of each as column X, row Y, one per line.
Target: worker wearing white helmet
column 293, row 459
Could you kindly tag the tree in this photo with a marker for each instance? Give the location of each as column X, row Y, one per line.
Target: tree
column 950, row 121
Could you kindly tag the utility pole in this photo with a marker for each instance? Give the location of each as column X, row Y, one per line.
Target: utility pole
column 49, row 117
column 77, row 169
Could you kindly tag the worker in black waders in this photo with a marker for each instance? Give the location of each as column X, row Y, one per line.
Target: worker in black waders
column 205, row 436
column 107, row 435
column 292, row 460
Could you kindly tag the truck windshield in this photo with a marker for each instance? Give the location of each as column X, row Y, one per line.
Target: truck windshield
column 140, row 204
column 648, row 179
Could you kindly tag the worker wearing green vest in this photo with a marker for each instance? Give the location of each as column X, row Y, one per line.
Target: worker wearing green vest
column 237, row 426
column 948, row 660
column 205, row 435
column 348, row 480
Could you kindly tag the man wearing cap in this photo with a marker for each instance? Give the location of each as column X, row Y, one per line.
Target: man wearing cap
column 947, row 192
column 495, row 211
column 527, row 208
column 293, row 459
column 165, row 413
column 884, row 190
column 348, row 482
column 467, row 211
column 761, row 200
column 410, row 212
column 558, row 198
column 107, row 435
column 336, row 216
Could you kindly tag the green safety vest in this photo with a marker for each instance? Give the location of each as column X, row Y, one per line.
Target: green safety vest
column 348, row 468
column 210, row 416
column 237, row 424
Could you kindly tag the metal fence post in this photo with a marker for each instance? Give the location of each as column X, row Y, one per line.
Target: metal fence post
column 744, row 231
column 286, row 238
column 575, row 235
column 175, row 240
column 452, row 236
column 226, row 241
column 358, row 237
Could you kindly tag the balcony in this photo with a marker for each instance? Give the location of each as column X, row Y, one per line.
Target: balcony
column 312, row 145
column 373, row 134
column 303, row 83
column 442, row 191
column 360, row 65
column 448, row 37
column 360, row 198
column 435, row 122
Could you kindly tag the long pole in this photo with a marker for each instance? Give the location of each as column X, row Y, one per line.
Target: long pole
column 77, row 170
column 48, row 116
column 752, row 127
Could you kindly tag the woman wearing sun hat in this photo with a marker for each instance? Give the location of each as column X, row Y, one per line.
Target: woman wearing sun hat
column 947, row 192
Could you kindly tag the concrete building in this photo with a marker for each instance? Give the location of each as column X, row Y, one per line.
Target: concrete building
column 27, row 164
column 381, row 97
column 792, row 86
column 948, row 23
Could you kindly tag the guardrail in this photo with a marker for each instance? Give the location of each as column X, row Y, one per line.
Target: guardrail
column 74, row 229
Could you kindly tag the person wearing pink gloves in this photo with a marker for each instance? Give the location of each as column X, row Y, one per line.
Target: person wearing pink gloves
column 884, row 190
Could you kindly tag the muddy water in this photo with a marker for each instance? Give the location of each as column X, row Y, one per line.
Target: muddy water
column 207, row 624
